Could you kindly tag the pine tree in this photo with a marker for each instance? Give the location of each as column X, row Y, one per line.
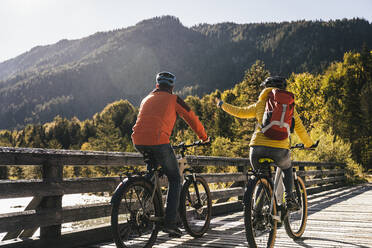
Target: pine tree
column 247, row 93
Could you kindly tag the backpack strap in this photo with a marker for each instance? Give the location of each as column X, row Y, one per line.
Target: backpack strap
column 283, row 114
column 278, row 123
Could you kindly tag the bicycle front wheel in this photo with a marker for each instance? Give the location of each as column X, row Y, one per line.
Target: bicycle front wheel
column 133, row 213
column 260, row 227
column 295, row 222
column 196, row 206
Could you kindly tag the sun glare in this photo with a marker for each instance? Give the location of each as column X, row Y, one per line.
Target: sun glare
column 24, row 7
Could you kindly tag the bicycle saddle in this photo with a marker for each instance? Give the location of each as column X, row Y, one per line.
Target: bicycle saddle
column 150, row 162
column 265, row 160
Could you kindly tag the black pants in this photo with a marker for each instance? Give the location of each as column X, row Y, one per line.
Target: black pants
column 282, row 159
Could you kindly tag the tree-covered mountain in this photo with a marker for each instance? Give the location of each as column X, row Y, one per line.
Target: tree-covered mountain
column 79, row 77
column 335, row 107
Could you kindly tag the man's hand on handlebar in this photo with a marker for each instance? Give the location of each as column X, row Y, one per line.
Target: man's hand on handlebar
column 206, row 141
column 182, row 145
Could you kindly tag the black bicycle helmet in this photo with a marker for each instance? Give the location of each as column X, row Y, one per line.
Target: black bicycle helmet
column 165, row 77
column 275, row 81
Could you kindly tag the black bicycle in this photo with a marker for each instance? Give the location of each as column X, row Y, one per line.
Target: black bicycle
column 138, row 209
column 264, row 205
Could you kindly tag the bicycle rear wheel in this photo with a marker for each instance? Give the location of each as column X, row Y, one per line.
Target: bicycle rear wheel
column 133, row 213
column 196, row 206
column 260, row 227
column 295, row 222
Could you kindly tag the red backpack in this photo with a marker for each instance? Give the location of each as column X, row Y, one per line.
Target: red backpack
column 277, row 121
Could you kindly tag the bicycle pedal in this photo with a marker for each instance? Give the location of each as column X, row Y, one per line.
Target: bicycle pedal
column 156, row 219
column 174, row 235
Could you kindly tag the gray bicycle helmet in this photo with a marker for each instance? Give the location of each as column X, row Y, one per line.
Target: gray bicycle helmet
column 165, row 77
column 275, row 81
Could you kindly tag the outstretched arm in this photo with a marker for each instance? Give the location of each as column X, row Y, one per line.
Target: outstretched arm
column 191, row 119
column 241, row 112
column 301, row 131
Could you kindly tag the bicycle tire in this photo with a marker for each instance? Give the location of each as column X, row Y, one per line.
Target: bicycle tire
column 260, row 227
column 295, row 222
column 130, row 224
column 195, row 217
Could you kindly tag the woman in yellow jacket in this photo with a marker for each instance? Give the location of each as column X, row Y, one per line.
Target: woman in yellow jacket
column 262, row 146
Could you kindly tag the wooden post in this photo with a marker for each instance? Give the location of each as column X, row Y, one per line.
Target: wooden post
column 52, row 173
column 3, row 172
column 243, row 169
column 302, row 168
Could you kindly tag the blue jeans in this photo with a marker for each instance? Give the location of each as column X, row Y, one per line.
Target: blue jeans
column 164, row 156
column 282, row 159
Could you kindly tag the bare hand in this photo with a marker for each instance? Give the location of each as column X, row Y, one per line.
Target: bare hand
column 208, row 140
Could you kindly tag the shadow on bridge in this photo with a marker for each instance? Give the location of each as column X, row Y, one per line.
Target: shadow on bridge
column 228, row 230
column 321, row 201
column 336, row 243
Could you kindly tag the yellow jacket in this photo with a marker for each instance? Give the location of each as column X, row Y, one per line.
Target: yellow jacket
column 256, row 110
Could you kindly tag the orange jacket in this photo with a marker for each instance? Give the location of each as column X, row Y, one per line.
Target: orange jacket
column 157, row 115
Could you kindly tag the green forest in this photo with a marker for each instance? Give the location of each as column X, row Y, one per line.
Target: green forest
column 80, row 77
column 335, row 106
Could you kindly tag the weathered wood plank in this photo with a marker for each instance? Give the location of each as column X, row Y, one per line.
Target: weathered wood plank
column 227, row 193
column 26, row 188
column 37, row 156
column 32, row 218
column 324, row 180
column 70, row 239
column 321, row 172
column 324, row 188
column 226, row 207
column 216, row 161
column 223, row 177
column 10, row 189
column 317, row 164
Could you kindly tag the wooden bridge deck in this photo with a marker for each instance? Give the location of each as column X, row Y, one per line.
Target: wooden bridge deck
column 337, row 218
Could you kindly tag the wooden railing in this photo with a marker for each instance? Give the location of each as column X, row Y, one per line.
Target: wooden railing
column 45, row 209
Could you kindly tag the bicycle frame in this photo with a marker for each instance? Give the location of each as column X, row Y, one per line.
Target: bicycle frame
column 155, row 179
column 278, row 193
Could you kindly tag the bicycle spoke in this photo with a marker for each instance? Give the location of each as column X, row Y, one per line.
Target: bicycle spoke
column 139, row 199
column 260, row 227
column 296, row 222
column 131, row 217
column 196, row 205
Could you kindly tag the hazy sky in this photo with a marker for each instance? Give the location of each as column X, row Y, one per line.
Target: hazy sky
column 27, row 23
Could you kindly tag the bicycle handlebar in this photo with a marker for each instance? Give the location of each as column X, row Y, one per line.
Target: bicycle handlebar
column 182, row 145
column 302, row 146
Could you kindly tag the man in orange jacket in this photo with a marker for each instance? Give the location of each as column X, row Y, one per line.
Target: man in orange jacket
column 155, row 121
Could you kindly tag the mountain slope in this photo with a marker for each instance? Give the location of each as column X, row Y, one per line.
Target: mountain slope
column 79, row 77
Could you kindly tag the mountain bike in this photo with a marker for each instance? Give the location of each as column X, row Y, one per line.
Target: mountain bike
column 264, row 204
column 138, row 209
